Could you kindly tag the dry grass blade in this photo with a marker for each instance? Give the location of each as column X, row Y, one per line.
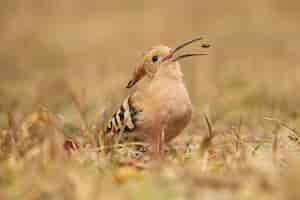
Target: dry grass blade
column 209, row 126
column 275, row 142
column 236, row 132
column 79, row 107
column 14, row 125
column 206, row 143
column 281, row 123
column 296, row 135
column 99, row 133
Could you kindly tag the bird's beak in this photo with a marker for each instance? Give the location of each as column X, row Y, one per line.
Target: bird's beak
column 176, row 49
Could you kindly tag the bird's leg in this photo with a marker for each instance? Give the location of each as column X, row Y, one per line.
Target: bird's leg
column 157, row 143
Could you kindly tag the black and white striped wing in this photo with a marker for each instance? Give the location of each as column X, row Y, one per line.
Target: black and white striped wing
column 124, row 120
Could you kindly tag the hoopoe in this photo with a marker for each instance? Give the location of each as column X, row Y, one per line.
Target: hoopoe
column 158, row 109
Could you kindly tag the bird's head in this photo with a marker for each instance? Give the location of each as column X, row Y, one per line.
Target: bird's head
column 159, row 55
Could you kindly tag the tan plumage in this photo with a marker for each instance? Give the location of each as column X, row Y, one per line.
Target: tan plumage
column 159, row 108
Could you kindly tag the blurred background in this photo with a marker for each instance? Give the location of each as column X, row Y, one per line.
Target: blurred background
column 51, row 50
column 63, row 61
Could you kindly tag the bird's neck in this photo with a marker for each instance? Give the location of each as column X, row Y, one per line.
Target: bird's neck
column 169, row 71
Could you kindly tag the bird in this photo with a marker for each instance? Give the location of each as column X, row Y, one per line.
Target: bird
column 159, row 107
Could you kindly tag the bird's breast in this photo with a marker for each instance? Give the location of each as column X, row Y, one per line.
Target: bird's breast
column 169, row 104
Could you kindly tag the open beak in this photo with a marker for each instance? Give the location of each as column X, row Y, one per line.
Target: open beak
column 176, row 49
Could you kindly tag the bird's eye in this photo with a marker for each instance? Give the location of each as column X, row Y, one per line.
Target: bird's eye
column 154, row 59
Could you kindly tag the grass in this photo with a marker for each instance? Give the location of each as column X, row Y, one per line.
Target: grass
column 44, row 158
column 64, row 66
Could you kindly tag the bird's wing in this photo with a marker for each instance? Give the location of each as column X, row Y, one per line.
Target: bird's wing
column 124, row 120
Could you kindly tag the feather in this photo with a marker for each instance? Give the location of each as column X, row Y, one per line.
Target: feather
column 124, row 120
